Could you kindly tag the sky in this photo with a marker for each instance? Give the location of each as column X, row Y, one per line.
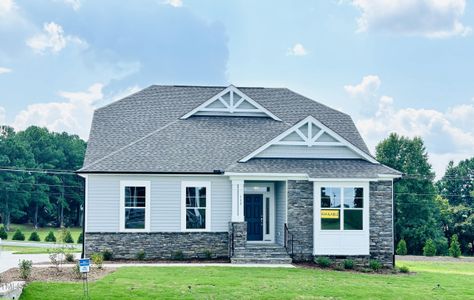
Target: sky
column 402, row 66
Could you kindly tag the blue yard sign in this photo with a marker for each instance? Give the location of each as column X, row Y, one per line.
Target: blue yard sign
column 84, row 264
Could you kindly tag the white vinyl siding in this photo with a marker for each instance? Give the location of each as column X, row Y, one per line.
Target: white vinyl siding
column 103, row 205
column 295, row 151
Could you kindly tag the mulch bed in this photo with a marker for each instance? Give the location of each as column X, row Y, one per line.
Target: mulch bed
column 310, row 265
column 190, row 261
column 51, row 274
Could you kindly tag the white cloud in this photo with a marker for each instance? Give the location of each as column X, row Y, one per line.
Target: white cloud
column 6, row 7
column 75, row 4
column 429, row 18
column 5, row 70
column 2, row 116
column 174, row 3
column 297, row 50
column 52, row 38
column 447, row 135
column 368, row 86
column 73, row 115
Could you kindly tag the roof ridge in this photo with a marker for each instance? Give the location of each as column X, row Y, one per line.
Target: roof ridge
column 129, row 145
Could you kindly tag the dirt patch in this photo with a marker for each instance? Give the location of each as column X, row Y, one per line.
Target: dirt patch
column 191, row 261
column 466, row 259
column 51, row 274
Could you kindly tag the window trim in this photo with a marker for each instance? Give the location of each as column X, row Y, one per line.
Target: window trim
column 196, row 184
column 135, row 183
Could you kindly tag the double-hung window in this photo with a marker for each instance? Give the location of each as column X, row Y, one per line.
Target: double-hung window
column 342, row 208
column 134, row 205
column 196, row 202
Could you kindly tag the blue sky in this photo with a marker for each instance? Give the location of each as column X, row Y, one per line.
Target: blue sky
column 394, row 65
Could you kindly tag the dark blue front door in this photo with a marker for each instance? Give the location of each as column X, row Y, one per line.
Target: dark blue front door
column 253, row 212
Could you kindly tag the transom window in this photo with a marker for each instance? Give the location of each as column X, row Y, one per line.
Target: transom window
column 196, row 205
column 134, row 205
column 342, row 208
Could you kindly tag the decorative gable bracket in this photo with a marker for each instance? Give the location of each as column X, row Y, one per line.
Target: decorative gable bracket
column 231, row 102
column 311, row 133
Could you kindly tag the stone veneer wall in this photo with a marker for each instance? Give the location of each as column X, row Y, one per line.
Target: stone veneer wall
column 158, row 245
column 381, row 222
column 300, row 218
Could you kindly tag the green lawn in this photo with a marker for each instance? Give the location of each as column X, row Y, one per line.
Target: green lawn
column 28, row 229
column 32, row 250
column 268, row 283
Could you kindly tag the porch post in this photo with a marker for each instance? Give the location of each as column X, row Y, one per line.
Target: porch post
column 237, row 200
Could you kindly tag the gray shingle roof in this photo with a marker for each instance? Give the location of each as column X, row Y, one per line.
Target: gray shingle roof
column 143, row 132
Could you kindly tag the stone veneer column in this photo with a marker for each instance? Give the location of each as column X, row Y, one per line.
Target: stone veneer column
column 381, row 222
column 300, row 218
column 240, row 234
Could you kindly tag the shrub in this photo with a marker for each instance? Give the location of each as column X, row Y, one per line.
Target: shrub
column 56, row 256
column 323, row 262
column 429, row 249
column 77, row 271
column 107, row 254
column 442, row 246
column 348, row 264
column 375, row 265
column 207, row 254
column 25, row 268
column 69, row 257
column 34, row 236
column 402, row 247
column 67, row 238
column 80, row 238
column 141, row 255
column 455, row 248
column 18, row 235
column 177, row 255
column 97, row 260
column 3, row 233
column 404, row 269
column 50, row 237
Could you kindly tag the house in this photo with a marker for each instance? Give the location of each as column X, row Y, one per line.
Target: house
column 251, row 174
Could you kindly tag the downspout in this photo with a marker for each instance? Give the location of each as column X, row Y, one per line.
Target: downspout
column 84, row 222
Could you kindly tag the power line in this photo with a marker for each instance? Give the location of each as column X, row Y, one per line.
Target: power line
column 41, row 184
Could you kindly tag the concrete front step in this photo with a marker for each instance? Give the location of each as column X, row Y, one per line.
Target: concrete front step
column 250, row 260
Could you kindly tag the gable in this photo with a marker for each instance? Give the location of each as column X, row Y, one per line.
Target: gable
column 309, row 138
column 231, row 102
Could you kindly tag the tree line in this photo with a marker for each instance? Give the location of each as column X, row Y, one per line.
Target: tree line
column 37, row 185
column 429, row 210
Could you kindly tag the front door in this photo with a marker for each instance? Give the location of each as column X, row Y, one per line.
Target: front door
column 253, row 212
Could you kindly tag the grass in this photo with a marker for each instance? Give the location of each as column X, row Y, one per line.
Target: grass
column 32, row 250
column 265, row 283
column 28, row 229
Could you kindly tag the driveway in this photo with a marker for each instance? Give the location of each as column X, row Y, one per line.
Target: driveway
column 36, row 245
column 9, row 260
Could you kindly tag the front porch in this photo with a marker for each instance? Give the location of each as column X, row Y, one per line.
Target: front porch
column 259, row 214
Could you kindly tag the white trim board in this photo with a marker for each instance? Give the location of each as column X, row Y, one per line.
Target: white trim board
column 231, row 107
column 308, row 138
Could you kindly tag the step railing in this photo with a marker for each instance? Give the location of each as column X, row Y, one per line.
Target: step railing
column 288, row 237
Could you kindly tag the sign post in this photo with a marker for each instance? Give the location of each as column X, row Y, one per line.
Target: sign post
column 84, row 266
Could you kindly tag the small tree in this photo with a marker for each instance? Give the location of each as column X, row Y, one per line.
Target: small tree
column 18, row 235
column 80, row 239
column 455, row 248
column 50, row 237
column 34, row 236
column 67, row 238
column 402, row 247
column 430, row 248
column 3, row 233
column 25, row 266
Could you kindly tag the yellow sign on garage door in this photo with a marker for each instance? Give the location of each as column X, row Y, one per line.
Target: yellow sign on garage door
column 329, row 213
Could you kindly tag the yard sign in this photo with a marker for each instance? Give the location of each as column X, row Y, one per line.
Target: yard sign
column 84, row 264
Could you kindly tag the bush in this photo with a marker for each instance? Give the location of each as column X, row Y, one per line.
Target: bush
column 375, row 265
column 3, row 233
column 80, row 239
column 429, row 249
column 56, row 256
column 77, row 271
column 69, row 257
column 404, row 269
column 402, row 247
column 25, row 268
column 18, row 235
column 442, row 247
column 68, row 237
column 141, row 255
column 177, row 255
column 455, row 248
column 34, row 236
column 348, row 264
column 50, row 237
column 323, row 262
column 97, row 260
column 207, row 254
column 107, row 254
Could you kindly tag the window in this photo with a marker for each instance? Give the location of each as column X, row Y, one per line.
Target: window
column 135, row 205
column 342, row 208
column 196, row 205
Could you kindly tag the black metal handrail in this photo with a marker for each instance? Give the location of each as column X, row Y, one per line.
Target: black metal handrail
column 288, row 237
